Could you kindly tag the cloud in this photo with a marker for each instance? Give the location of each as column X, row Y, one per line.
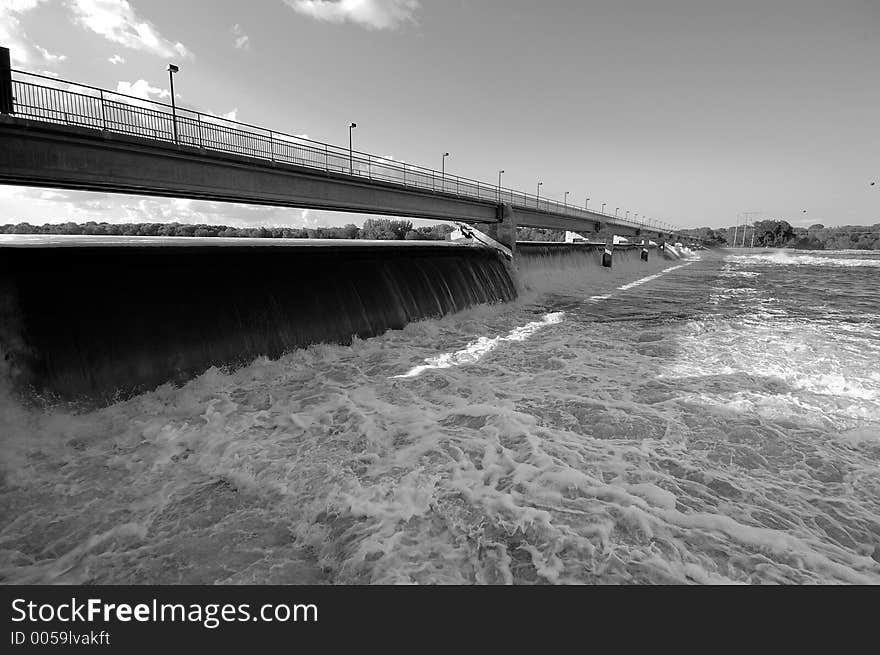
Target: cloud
column 118, row 22
column 48, row 57
column 142, row 89
column 23, row 52
column 372, row 14
column 38, row 206
column 116, row 59
column 242, row 40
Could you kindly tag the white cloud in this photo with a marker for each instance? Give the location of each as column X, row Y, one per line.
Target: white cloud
column 242, row 40
column 118, row 22
column 19, row 6
column 48, row 57
column 23, row 52
column 38, row 206
column 53, row 195
column 373, row 14
column 142, row 89
column 116, row 59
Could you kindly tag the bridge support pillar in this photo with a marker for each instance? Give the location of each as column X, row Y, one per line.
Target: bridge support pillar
column 504, row 230
column 608, row 252
column 6, row 101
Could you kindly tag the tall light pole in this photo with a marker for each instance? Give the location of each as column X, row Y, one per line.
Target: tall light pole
column 500, row 173
column 603, row 207
column 443, row 170
column 616, row 209
column 538, row 195
column 565, row 200
column 587, row 204
column 351, row 126
column 172, row 69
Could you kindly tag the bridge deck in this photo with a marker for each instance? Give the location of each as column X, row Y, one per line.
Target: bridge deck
column 69, row 135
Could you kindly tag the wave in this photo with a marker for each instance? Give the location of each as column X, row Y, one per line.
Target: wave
column 785, row 258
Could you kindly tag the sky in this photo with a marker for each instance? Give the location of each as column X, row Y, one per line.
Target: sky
column 687, row 111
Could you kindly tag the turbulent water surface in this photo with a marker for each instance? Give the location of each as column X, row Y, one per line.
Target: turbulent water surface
column 716, row 422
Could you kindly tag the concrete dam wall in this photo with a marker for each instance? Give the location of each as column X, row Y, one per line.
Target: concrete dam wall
column 94, row 320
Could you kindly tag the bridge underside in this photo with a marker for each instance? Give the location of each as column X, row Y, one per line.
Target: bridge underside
column 34, row 153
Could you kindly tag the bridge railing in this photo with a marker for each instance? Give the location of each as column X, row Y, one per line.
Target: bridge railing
column 62, row 102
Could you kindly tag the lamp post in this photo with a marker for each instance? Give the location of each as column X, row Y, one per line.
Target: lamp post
column 587, row 204
column 351, row 126
column 443, row 170
column 172, row 69
column 616, row 209
column 603, row 207
column 565, row 200
column 538, row 195
column 500, row 173
column 627, row 217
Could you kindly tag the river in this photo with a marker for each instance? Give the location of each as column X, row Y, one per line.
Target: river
column 717, row 422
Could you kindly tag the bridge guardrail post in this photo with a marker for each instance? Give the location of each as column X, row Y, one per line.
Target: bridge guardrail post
column 103, row 113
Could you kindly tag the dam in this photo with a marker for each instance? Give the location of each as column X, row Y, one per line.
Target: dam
column 98, row 319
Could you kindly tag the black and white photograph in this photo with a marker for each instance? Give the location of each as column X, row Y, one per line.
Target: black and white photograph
column 373, row 293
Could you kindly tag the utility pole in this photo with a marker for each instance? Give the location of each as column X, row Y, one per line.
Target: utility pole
column 749, row 217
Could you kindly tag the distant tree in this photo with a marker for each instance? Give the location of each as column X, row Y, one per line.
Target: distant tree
column 772, row 233
column 384, row 228
column 539, row 234
column 350, row 231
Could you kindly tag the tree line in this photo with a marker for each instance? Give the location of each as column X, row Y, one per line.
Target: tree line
column 373, row 228
column 781, row 234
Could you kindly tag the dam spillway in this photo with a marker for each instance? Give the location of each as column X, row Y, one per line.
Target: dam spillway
column 98, row 319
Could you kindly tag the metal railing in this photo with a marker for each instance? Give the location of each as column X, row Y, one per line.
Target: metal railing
column 73, row 104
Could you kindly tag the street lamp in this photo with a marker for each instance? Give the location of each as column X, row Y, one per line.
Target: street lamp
column 565, row 200
column 587, row 204
column 443, row 170
column 172, row 69
column 538, row 196
column 500, row 173
column 603, row 207
column 351, row 126
column 616, row 209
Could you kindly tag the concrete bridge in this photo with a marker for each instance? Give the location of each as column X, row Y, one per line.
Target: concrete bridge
column 73, row 136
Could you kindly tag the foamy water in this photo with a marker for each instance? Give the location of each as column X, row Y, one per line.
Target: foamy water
column 717, row 422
